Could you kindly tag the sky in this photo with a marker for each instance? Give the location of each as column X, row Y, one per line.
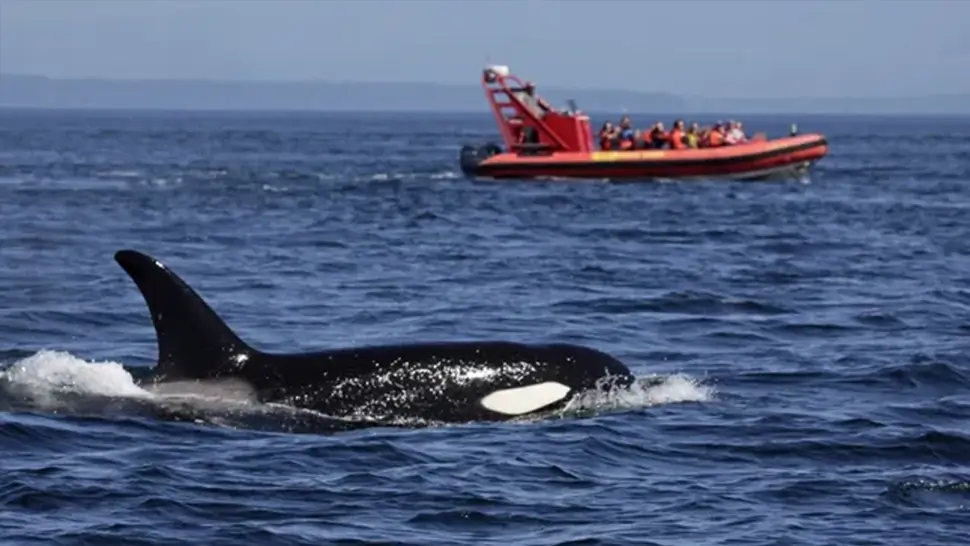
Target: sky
column 766, row 48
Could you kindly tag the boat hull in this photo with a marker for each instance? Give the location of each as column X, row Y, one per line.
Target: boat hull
column 765, row 160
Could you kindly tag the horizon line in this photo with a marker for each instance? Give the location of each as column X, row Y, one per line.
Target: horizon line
column 554, row 87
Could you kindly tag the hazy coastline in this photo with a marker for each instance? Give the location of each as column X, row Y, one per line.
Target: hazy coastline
column 39, row 92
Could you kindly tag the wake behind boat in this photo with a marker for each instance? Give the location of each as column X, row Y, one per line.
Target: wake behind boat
column 541, row 142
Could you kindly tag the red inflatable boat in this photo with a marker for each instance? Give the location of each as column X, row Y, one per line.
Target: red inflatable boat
column 559, row 144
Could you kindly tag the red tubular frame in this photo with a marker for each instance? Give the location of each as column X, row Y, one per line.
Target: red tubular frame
column 499, row 86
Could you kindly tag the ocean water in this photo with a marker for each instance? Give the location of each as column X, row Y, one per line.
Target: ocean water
column 807, row 341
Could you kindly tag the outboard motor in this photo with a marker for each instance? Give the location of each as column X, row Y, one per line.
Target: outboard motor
column 471, row 156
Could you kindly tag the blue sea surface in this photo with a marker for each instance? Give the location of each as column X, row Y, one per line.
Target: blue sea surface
column 809, row 341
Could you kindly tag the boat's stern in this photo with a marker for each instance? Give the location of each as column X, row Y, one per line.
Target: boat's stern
column 470, row 157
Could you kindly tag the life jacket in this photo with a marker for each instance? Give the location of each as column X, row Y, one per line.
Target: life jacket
column 627, row 138
column 716, row 138
column 692, row 140
column 676, row 139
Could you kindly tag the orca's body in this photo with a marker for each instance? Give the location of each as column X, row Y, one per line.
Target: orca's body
column 446, row 382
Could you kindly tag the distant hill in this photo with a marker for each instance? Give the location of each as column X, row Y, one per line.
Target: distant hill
column 26, row 91
column 19, row 91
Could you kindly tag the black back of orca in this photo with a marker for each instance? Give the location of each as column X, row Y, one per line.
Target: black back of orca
column 446, row 381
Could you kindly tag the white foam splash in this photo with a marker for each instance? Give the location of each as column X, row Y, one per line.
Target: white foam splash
column 678, row 388
column 647, row 391
column 59, row 382
column 47, row 375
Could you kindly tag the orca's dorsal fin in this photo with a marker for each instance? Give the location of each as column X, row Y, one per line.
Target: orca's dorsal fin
column 193, row 341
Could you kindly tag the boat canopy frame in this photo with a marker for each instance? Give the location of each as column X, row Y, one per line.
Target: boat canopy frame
column 555, row 131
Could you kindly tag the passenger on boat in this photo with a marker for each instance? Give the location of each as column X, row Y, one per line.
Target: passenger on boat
column 638, row 139
column 608, row 134
column 537, row 104
column 656, row 137
column 645, row 139
column 627, row 135
column 715, row 137
column 676, row 139
column 735, row 133
column 693, row 136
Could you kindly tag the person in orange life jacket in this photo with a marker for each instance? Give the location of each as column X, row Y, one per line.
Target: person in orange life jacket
column 647, row 138
column 537, row 104
column 676, row 137
column 715, row 137
column 607, row 135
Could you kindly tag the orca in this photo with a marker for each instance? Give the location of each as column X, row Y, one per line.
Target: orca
column 449, row 382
